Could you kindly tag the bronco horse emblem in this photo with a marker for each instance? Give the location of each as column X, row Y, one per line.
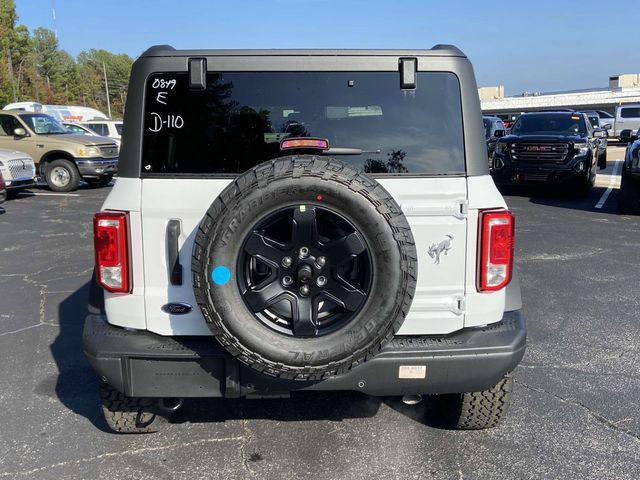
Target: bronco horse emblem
column 437, row 249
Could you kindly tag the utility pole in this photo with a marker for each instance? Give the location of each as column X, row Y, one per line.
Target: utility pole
column 106, row 88
column 53, row 15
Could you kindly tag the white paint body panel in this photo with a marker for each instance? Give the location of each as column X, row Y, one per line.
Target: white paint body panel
column 446, row 299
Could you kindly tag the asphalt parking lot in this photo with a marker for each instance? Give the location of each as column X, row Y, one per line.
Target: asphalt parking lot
column 574, row 412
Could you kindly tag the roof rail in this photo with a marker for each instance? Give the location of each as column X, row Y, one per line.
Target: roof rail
column 450, row 48
column 155, row 49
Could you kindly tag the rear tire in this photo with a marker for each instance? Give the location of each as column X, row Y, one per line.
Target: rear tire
column 127, row 414
column 477, row 410
column 629, row 198
column 62, row 175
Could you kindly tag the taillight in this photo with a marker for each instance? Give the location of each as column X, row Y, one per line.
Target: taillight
column 497, row 233
column 2, row 184
column 111, row 249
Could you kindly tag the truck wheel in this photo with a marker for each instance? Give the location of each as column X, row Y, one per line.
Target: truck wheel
column 629, row 197
column 477, row 410
column 582, row 187
column 304, row 267
column 126, row 414
column 602, row 160
column 62, row 175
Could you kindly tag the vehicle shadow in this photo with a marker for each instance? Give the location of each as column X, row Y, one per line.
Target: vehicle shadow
column 308, row 406
column 300, row 407
column 555, row 196
column 76, row 385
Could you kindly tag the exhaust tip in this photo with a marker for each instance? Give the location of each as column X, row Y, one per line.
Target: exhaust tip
column 411, row 399
column 170, row 405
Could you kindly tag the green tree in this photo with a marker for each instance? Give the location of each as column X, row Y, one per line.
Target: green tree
column 8, row 19
column 35, row 68
column 91, row 73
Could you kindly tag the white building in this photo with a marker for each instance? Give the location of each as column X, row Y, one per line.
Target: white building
column 622, row 89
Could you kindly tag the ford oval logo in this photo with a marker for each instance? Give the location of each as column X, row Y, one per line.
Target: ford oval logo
column 177, row 308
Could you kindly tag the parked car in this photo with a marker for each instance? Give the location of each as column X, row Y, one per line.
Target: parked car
column 606, row 119
column 61, row 158
column 287, row 242
column 106, row 128
column 627, row 118
column 493, row 129
column 3, row 190
column 79, row 129
column 601, row 142
column 629, row 198
column 550, row 147
column 18, row 170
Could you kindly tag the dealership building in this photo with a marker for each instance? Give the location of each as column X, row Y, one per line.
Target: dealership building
column 622, row 89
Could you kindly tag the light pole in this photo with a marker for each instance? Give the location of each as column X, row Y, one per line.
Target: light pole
column 106, row 88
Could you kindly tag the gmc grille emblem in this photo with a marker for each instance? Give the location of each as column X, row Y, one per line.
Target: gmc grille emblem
column 537, row 148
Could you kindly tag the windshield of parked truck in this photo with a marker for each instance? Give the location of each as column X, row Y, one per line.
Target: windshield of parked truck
column 43, row 124
column 550, row 123
column 242, row 119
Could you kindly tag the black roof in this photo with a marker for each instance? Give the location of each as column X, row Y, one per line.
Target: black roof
column 435, row 51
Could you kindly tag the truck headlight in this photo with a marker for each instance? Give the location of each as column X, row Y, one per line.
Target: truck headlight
column 582, row 148
column 88, row 152
column 501, row 148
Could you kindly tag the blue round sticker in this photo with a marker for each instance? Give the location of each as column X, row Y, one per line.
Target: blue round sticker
column 220, row 275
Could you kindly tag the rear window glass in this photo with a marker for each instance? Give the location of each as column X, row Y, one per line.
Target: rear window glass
column 241, row 118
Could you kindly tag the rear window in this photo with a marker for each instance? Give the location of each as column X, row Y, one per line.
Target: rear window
column 241, row 118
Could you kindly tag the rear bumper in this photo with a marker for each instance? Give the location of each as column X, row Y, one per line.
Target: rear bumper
column 143, row 364
column 97, row 167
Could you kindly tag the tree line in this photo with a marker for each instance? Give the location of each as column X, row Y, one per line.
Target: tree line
column 33, row 67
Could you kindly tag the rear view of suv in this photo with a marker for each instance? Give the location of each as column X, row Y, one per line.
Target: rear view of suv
column 303, row 220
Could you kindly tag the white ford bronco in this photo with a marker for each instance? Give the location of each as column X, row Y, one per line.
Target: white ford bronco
column 303, row 220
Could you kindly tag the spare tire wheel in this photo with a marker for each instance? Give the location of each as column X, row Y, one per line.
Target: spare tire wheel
column 304, row 267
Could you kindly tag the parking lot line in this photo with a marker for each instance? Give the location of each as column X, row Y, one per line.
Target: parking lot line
column 41, row 194
column 612, row 182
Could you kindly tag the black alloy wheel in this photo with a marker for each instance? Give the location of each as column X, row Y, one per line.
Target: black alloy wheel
column 305, row 270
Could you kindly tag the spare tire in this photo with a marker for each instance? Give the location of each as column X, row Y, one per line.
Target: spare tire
column 304, row 267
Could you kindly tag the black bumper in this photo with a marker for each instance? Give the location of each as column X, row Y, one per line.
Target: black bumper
column 143, row 364
column 506, row 171
column 20, row 184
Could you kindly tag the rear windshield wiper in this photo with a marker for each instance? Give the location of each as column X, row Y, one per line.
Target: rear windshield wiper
column 346, row 151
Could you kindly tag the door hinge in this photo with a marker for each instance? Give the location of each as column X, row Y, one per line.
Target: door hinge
column 463, row 209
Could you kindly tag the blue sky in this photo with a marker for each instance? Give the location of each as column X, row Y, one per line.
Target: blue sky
column 532, row 45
